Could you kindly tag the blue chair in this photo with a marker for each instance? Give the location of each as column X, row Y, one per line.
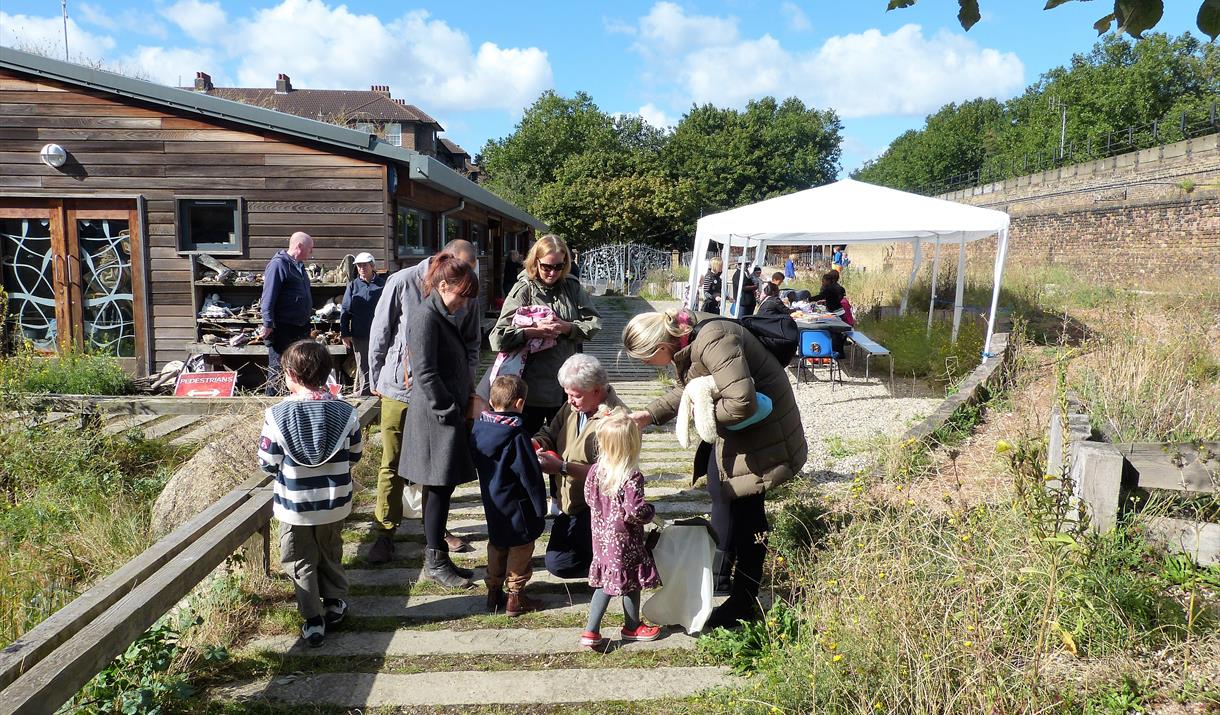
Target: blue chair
column 816, row 350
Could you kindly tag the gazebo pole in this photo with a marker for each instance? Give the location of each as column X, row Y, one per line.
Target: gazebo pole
column 916, row 259
column 1001, row 255
column 694, row 281
column 741, row 271
column 961, row 284
column 935, row 274
column 725, row 252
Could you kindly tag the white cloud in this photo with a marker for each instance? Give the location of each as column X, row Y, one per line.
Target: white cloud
column 198, row 19
column 796, row 17
column 421, row 58
column 45, row 35
column 129, row 20
column 96, row 16
column 617, row 26
column 693, row 58
column 172, row 66
column 655, row 116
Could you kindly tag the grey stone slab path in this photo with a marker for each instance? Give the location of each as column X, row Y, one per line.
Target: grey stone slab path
column 171, row 425
column 456, row 688
column 405, row 576
column 120, row 424
column 452, row 607
column 488, row 641
column 211, row 427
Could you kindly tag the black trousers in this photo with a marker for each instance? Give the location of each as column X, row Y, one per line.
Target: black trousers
column 569, row 552
column 533, row 418
column 740, row 525
column 436, row 516
column 281, row 337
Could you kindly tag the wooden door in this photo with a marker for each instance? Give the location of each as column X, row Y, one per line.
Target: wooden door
column 96, row 259
column 34, row 275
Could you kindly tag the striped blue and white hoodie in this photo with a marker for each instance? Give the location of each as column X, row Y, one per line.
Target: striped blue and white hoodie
column 309, row 444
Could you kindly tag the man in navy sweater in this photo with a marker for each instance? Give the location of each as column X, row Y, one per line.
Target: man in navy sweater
column 287, row 304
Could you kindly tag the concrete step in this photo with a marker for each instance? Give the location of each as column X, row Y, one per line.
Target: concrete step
column 172, row 425
column 404, row 577
column 451, row 607
column 488, row 641
column 211, row 427
column 121, row 424
column 414, row 551
column 668, row 506
column 477, row 688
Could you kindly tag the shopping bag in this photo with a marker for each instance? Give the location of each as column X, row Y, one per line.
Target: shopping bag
column 412, row 501
column 683, row 554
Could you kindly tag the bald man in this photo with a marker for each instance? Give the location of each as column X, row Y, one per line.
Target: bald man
column 287, row 304
column 387, row 370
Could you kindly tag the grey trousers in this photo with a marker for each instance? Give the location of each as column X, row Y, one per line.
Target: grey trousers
column 312, row 556
column 363, row 385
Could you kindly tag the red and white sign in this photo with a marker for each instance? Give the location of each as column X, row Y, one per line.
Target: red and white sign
column 206, row 384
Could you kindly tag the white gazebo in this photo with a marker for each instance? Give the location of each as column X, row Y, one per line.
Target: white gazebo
column 850, row 212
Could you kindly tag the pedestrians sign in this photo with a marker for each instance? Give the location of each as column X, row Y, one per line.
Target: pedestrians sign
column 205, row 384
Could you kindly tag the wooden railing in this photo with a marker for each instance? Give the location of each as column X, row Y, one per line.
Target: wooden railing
column 46, row 666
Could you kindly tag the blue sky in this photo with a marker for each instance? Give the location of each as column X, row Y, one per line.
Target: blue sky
column 476, row 65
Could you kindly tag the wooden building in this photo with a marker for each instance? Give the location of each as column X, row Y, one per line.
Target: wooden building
column 98, row 251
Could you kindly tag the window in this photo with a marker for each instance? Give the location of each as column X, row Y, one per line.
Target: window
column 393, row 134
column 207, row 225
column 413, row 232
column 368, row 127
column 478, row 236
column 454, row 229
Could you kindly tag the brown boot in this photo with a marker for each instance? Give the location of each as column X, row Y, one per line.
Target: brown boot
column 519, row 603
column 496, row 600
column 457, row 545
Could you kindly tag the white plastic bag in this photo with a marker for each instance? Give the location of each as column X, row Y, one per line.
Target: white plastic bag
column 412, row 501
column 683, row 555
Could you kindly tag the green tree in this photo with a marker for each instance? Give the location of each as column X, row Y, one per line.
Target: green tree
column 736, row 157
column 552, row 130
column 955, row 140
column 1132, row 17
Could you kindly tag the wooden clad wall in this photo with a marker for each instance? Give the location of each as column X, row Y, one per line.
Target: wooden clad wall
column 119, row 147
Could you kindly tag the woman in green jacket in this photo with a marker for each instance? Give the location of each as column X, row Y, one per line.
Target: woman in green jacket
column 546, row 280
column 745, row 461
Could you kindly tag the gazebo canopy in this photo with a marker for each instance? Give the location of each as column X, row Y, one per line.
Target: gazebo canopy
column 852, row 212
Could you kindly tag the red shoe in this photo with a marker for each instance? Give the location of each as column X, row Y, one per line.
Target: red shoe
column 642, row 632
column 592, row 640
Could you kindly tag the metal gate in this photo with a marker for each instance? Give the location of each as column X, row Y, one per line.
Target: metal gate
column 620, row 266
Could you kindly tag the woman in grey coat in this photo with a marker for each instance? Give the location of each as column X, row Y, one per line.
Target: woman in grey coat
column 436, row 452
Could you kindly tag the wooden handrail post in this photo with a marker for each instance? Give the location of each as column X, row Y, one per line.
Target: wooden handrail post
column 258, row 549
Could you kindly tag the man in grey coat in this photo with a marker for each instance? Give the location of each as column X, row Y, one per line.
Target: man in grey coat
column 388, row 339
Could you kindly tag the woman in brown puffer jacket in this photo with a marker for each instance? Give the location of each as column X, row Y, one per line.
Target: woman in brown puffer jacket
column 742, row 464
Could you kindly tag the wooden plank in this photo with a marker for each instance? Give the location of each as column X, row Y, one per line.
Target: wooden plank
column 330, row 207
column 1183, row 466
column 45, row 121
column 14, row 105
column 171, row 425
column 276, row 218
column 196, row 138
column 23, row 653
column 314, row 184
column 1199, row 540
column 47, row 685
column 125, row 423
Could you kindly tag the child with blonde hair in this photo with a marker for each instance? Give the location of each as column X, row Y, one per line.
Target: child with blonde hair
column 622, row 565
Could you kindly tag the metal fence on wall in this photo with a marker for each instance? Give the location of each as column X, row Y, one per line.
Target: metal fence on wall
column 1096, row 146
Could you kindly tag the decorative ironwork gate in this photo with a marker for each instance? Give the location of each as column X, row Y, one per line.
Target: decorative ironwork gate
column 621, row 266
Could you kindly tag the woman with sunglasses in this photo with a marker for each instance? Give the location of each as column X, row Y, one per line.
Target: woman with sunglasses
column 546, row 280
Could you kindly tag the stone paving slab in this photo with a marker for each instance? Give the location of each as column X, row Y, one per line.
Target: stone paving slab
column 531, row 687
column 407, row 576
column 413, row 550
column 171, row 425
column 125, row 423
column 211, row 427
column 466, row 511
column 450, row 607
column 488, row 641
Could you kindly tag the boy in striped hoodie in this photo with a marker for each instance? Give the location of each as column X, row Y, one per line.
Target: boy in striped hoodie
column 309, row 443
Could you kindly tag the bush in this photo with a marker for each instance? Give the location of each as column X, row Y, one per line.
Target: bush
column 70, row 373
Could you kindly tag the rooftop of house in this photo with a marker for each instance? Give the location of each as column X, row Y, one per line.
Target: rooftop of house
column 351, row 105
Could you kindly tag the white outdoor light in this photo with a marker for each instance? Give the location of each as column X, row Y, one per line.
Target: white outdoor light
column 53, row 155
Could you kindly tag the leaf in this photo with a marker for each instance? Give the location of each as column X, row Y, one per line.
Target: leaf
column 1209, row 18
column 1069, row 643
column 1103, row 25
column 968, row 14
column 1135, row 16
column 1052, row 4
column 899, row 4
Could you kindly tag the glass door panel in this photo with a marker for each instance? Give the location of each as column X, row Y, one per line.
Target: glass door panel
column 108, row 314
column 29, row 259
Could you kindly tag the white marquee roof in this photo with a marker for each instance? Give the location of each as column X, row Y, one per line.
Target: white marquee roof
column 847, row 211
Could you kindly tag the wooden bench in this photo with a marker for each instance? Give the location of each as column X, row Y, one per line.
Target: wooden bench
column 870, row 348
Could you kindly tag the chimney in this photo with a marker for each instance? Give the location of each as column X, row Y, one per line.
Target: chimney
column 383, row 89
column 283, row 85
column 401, row 102
column 203, row 82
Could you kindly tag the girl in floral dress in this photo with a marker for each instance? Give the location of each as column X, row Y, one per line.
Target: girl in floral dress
column 622, row 564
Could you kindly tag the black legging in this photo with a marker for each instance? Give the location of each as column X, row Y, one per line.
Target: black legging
column 436, row 514
column 737, row 523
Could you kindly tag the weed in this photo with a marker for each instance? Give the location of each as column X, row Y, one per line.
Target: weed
column 752, row 646
column 71, row 372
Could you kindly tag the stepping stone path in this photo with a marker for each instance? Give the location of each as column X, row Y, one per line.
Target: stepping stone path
column 469, row 657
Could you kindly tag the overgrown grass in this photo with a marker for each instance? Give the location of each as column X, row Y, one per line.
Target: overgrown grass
column 75, row 507
column 69, row 373
column 930, row 355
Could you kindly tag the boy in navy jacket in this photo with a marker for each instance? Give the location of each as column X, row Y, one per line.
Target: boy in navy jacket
column 514, row 495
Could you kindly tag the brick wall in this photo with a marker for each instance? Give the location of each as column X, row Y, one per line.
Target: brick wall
column 1126, row 220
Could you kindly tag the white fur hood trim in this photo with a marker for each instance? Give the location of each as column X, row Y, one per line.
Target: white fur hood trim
column 699, row 396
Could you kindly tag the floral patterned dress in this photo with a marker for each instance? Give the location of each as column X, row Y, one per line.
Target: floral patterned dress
column 621, row 561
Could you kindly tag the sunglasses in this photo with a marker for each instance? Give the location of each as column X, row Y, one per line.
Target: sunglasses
column 551, row 267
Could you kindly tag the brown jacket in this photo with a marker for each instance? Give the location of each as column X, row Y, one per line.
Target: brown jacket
column 765, row 454
column 579, row 446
